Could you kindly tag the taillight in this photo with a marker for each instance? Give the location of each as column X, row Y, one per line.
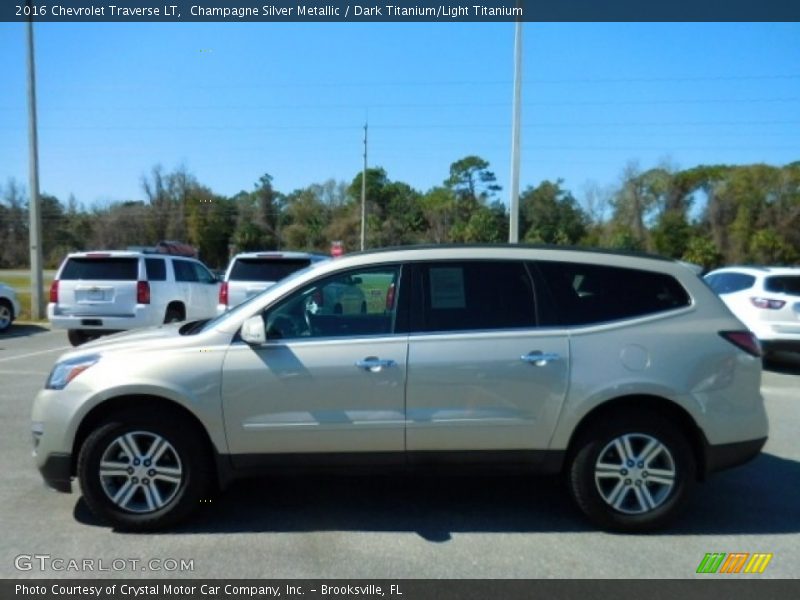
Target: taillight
column 390, row 297
column 744, row 340
column 142, row 292
column 223, row 293
column 767, row 303
column 54, row 292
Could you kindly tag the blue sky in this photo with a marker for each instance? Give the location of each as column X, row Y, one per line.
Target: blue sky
column 232, row 101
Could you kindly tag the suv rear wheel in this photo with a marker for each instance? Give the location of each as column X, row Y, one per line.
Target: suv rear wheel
column 633, row 473
column 141, row 473
column 77, row 337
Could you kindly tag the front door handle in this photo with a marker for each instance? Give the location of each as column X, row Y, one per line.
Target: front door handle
column 540, row 359
column 374, row 364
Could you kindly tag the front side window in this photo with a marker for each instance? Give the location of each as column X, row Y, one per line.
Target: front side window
column 202, row 274
column 355, row 303
column 184, row 271
column 586, row 293
column 475, row 295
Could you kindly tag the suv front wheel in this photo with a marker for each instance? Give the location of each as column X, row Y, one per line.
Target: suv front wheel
column 141, row 474
column 632, row 473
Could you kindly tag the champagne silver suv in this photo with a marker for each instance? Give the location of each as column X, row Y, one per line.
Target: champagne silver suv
column 626, row 373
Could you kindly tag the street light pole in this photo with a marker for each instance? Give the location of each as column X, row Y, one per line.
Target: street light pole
column 34, row 212
column 513, row 229
column 364, row 194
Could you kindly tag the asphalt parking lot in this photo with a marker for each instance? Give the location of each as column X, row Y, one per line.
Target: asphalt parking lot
column 382, row 527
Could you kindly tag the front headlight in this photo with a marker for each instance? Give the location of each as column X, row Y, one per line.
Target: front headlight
column 66, row 371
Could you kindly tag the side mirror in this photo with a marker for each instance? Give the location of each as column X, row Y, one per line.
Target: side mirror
column 253, row 332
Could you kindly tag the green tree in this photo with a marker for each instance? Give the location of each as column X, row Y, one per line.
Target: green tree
column 551, row 215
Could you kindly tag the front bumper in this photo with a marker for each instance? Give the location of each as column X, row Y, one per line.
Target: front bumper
column 57, row 472
column 725, row 456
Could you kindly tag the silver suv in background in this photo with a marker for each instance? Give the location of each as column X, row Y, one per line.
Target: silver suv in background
column 625, row 373
column 96, row 293
column 250, row 273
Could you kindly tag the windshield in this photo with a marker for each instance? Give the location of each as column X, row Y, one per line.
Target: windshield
column 239, row 308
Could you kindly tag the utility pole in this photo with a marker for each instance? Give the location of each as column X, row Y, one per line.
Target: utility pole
column 34, row 212
column 513, row 229
column 364, row 195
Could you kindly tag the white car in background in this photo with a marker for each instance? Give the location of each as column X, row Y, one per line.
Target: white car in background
column 96, row 293
column 765, row 299
column 9, row 306
column 250, row 273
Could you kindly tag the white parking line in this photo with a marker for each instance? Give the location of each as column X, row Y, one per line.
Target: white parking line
column 780, row 391
column 10, row 358
column 15, row 372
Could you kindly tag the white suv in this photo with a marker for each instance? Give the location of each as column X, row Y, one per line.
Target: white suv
column 95, row 293
column 250, row 273
column 766, row 299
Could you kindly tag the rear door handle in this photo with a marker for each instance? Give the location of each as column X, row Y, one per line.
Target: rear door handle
column 540, row 359
column 374, row 364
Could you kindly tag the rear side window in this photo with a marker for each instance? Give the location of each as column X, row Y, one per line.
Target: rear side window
column 156, row 269
column 101, row 269
column 586, row 293
column 263, row 269
column 728, row 283
column 783, row 284
column 476, row 295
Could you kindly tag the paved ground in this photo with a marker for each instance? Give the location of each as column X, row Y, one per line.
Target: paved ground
column 390, row 528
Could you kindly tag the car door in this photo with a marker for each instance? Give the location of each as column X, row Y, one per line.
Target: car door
column 206, row 293
column 323, row 382
column 482, row 374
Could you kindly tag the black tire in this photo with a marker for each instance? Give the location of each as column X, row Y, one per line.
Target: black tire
column 174, row 315
column 6, row 315
column 632, row 499
column 175, row 496
column 77, row 337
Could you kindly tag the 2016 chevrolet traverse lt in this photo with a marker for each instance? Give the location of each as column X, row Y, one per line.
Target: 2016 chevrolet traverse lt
column 626, row 373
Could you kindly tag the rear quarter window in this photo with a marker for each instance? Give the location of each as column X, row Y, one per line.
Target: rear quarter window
column 156, row 269
column 728, row 283
column 264, row 269
column 101, row 269
column 585, row 294
column 783, row 284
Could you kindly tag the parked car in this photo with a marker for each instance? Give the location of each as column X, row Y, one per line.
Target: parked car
column 766, row 300
column 624, row 372
column 96, row 293
column 250, row 273
column 9, row 306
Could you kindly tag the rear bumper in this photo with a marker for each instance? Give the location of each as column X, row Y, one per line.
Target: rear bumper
column 57, row 472
column 139, row 318
column 781, row 345
column 725, row 456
